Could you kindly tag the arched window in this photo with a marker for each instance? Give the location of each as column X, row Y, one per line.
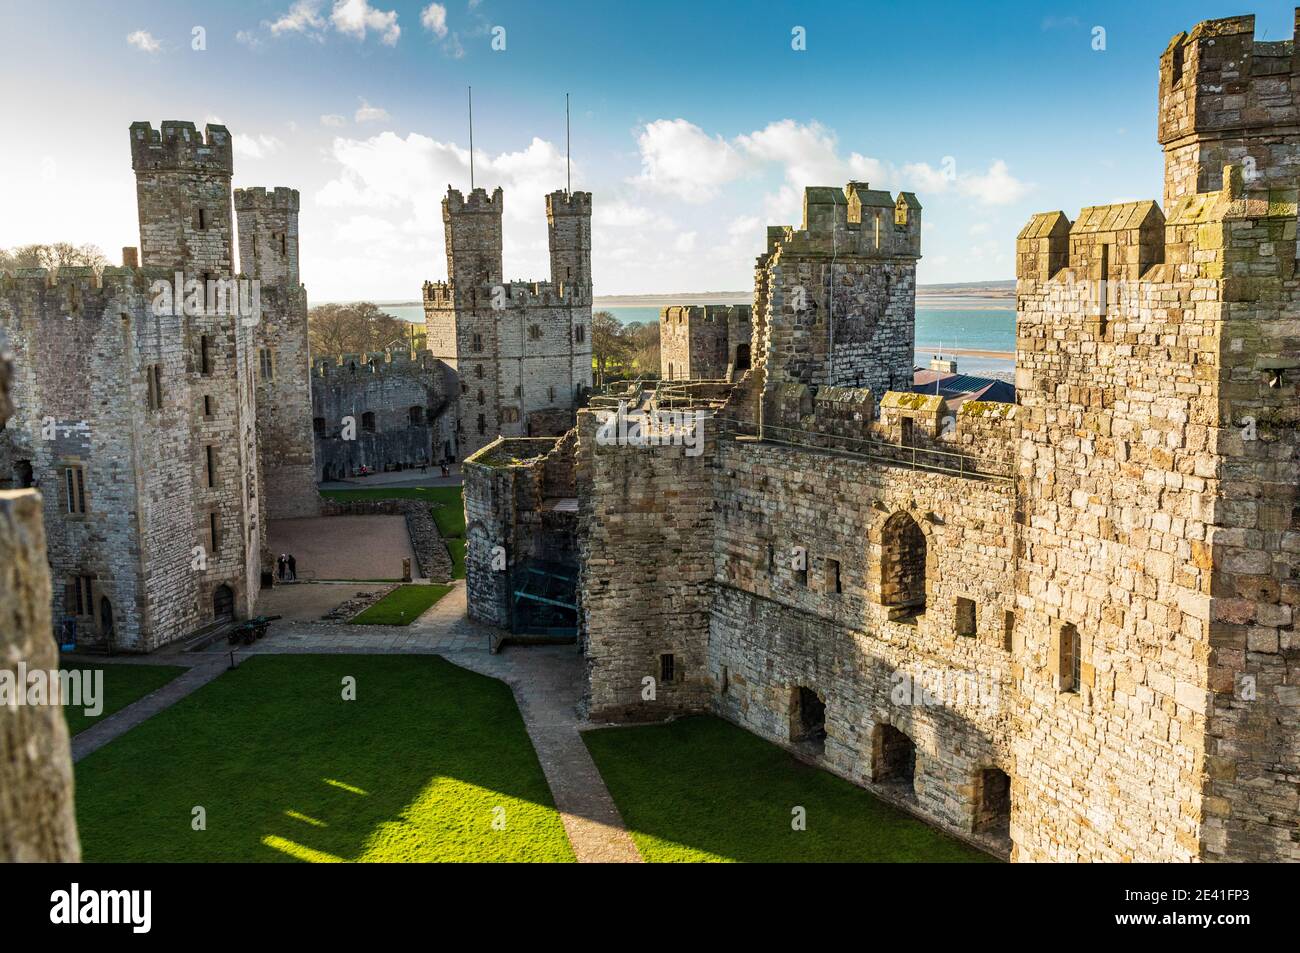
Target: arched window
column 368, row 421
column 893, row 756
column 902, row 566
column 481, row 396
column 318, row 425
column 742, row 357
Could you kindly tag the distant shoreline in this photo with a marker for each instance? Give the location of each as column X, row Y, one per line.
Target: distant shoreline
column 974, row 289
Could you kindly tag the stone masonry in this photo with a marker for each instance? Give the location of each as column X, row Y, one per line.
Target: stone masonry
column 704, row 342
column 1063, row 629
column 142, row 420
column 522, row 349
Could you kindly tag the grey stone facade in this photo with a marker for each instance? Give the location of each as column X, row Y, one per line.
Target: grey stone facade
column 522, row 349
column 142, row 421
column 705, row 342
column 1064, row 629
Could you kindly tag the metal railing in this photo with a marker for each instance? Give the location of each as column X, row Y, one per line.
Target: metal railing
column 962, row 465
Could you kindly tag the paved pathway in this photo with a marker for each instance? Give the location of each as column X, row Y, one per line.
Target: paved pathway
column 546, row 682
column 122, row 721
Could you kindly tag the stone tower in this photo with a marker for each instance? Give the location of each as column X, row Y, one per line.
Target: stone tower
column 268, row 254
column 522, row 350
column 473, row 233
column 183, row 195
column 1227, row 98
column 568, row 226
column 835, row 299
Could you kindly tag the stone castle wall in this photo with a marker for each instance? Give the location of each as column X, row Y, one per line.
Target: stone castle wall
column 392, row 386
column 83, row 349
column 704, row 342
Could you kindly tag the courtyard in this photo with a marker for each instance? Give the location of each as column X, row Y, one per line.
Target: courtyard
column 271, row 762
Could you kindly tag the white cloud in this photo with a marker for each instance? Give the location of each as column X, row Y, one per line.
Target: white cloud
column 249, row 39
column 368, row 113
column 995, row 187
column 303, row 17
column 143, row 41
column 679, row 158
column 333, row 119
column 392, row 187
column 685, row 242
column 434, row 19
column 619, row 213
column 255, row 147
column 352, row 18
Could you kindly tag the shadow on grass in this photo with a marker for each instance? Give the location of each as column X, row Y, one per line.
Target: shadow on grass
column 701, row 788
column 417, row 768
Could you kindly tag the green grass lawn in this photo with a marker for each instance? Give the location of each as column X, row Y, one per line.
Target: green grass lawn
column 402, row 606
column 123, row 684
column 447, row 507
column 701, row 789
column 417, row 768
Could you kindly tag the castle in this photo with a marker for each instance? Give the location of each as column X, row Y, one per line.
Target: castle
column 165, row 427
column 522, row 349
column 1064, row 628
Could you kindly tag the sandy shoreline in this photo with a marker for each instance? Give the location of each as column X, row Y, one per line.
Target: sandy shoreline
column 967, row 352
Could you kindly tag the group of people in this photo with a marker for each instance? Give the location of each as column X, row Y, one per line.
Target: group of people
column 286, row 568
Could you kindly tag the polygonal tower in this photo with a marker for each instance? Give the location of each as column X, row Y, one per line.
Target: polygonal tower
column 183, row 195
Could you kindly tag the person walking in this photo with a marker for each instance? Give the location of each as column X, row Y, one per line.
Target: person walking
column 280, row 565
column 293, row 568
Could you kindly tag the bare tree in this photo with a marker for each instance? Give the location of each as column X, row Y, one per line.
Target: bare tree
column 334, row 329
column 608, row 345
column 52, row 256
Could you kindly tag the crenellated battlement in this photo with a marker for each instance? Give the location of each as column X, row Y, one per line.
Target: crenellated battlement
column 1227, row 97
column 347, row 367
column 1134, row 241
column 560, row 202
column 178, row 146
column 280, row 199
column 514, row 294
column 853, row 221
column 479, row 202
column 707, row 313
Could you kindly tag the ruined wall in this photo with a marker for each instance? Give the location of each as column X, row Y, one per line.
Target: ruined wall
column 37, row 820
column 704, row 342
column 776, row 627
column 522, row 349
column 268, row 253
column 645, row 537
column 506, row 484
column 408, row 394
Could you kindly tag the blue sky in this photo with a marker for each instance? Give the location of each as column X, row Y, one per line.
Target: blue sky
column 694, row 124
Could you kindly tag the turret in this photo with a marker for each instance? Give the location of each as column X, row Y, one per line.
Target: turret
column 183, row 197
column 473, row 231
column 268, row 233
column 1227, row 97
column 568, row 226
